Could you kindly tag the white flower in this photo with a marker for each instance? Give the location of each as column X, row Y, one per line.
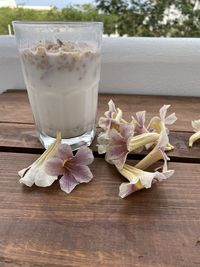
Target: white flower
column 159, row 123
column 139, row 179
column 35, row 173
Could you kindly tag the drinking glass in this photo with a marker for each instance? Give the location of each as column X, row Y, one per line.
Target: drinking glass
column 61, row 68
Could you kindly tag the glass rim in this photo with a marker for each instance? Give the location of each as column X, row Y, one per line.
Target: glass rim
column 55, row 23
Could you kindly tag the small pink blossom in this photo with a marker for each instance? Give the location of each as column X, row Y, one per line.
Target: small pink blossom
column 73, row 169
column 118, row 147
column 112, row 117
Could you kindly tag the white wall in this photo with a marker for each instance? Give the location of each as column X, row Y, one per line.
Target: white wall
column 164, row 66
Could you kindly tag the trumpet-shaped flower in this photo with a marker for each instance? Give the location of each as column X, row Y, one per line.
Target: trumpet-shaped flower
column 112, row 119
column 118, row 147
column 157, row 153
column 159, row 123
column 72, row 169
column 139, row 122
column 196, row 135
column 35, row 173
column 139, row 179
column 123, row 142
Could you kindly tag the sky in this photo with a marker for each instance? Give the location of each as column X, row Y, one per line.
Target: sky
column 57, row 3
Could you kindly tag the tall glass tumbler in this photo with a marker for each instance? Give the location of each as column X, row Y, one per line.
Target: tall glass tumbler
column 61, row 67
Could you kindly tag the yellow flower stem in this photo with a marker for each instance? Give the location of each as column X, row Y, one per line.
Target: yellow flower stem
column 150, row 159
column 194, row 138
column 142, row 140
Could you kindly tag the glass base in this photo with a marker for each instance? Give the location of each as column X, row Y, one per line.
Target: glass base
column 75, row 142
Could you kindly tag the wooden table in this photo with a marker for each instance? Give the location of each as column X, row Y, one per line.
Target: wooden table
column 93, row 226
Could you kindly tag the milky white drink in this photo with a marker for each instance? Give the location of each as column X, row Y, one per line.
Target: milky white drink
column 62, row 81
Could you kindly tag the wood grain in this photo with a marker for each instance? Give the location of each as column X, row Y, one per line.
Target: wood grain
column 93, row 227
column 14, row 107
column 22, row 138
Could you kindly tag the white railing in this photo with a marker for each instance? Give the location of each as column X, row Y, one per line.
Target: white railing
column 164, row 66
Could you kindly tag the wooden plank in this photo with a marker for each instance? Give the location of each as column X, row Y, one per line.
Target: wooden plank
column 14, row 107
column 94, row 227
column 22, row 138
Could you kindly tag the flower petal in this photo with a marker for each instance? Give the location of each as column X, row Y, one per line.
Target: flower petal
column 126, row 189
column 196, row 125
column 163, row 139
column 102, row 142
column 126, row 131
column 54, row 166
column 28, row 176
column 84, row 156
column 146, row 178
column 163, row 111
column 140, row 115
column 104, row 123
column 36, row 174
column 111, row 106
column 160, row 176
column 115, row 137
column 67, row 183
column 81, row 173
column 43, row 179
column 22, row 172
column 120, row 161
column 170, row 119
column 64, row 152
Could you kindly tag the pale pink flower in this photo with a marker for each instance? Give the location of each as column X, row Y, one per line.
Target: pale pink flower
column 73, row 169
column 118, row 147
column 124, row 141
column 112, row 117
column 139, row 179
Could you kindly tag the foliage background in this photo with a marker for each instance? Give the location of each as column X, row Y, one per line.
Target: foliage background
column 155, row 18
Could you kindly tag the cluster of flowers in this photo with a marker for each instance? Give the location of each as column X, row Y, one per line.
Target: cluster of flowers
column 119, row 138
